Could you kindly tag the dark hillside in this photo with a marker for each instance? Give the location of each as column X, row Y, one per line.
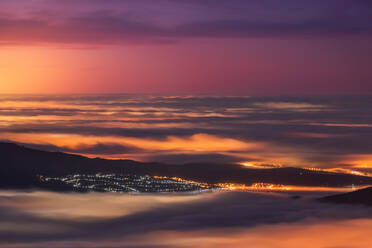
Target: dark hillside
column 20, row 167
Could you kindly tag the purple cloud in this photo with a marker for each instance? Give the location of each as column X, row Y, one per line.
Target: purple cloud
column 118, row 22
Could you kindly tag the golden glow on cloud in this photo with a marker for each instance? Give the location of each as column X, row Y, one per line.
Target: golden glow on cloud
column 359, row 164
column 77, row 123
column 315, row 135
column 89, row 206
column 291, row 106
column 363, row 162
column 260, row 165
column 194, row 143
column 339, row 233
column 341, row 170
column 265, row 155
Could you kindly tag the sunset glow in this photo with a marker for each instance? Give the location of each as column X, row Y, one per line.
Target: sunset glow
column 180, row 48
column 136, row 127
column 185, row 123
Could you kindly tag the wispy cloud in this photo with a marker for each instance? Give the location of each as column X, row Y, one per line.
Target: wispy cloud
column 291, row 131
column 123, row 22
column 42, row 219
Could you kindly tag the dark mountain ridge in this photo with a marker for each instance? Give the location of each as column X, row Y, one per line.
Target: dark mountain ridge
column 360, row 197
column 21, row 166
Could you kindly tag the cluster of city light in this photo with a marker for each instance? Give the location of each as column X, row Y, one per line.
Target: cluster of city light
column 254, row 187
column 280, row 187
column 178, row 179
column 133, row 183
column 259, row 186
column 123, row 183
column 233, row 186
column 353, row 171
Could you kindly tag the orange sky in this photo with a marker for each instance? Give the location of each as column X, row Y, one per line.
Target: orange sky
column 251, row 66
column 185, row 47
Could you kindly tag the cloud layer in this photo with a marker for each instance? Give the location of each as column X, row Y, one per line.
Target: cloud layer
column 43, row 219
column 117, row 22
column 324, row 131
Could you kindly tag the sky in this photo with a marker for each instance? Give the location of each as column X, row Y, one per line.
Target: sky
column 251, row 83
column 234, row 47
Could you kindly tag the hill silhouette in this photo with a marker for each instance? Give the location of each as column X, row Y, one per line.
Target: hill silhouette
column 362, row 196
column 21, row 166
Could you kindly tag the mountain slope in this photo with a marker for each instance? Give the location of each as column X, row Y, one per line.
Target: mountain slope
column 363, row 196
column 20, row 167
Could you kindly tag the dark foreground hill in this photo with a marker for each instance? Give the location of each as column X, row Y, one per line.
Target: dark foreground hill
column 363, row 196
column 21, row 166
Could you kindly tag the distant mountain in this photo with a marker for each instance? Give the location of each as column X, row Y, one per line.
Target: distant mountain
column 21, row 166
column 363, row 196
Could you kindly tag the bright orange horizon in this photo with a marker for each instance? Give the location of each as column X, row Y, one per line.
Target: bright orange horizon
column 183, row 48
column 206, row 67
